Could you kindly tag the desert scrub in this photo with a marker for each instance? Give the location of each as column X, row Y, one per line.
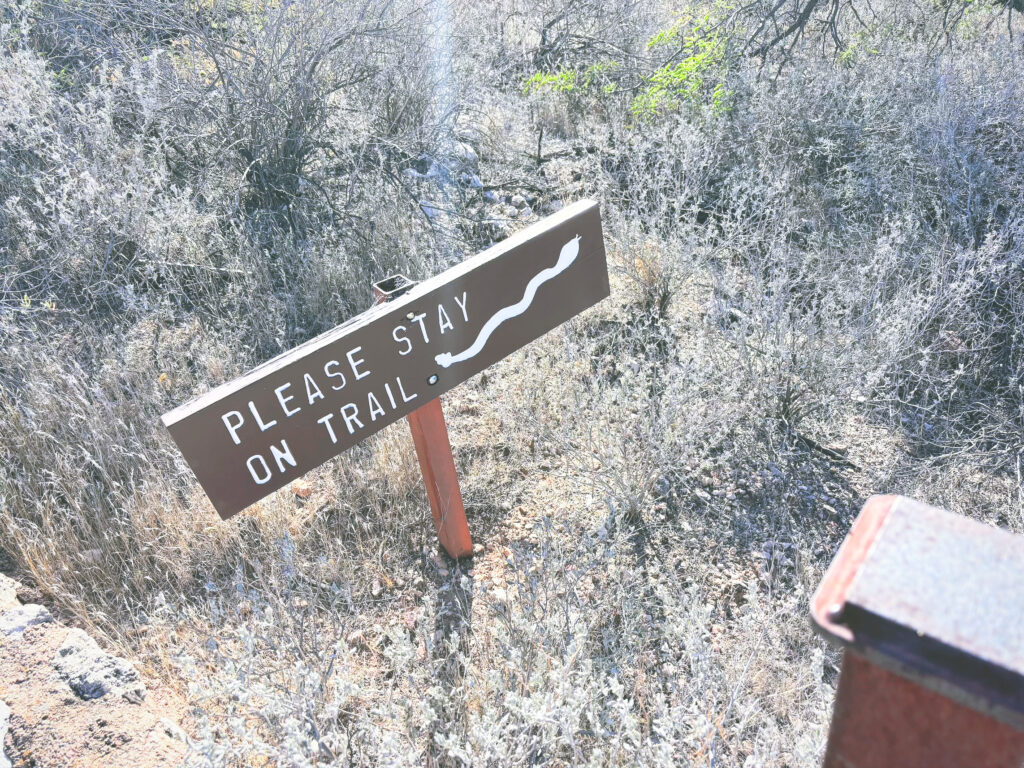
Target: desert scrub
column 561, row 100
column 816, row 296
column 695, row 74
column 570, row 81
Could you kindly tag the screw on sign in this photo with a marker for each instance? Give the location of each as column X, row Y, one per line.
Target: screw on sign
column 251, row 436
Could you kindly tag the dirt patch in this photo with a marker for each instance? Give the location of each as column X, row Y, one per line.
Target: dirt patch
column 52, row 726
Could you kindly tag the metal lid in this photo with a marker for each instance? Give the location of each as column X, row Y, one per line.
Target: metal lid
column 935, row 597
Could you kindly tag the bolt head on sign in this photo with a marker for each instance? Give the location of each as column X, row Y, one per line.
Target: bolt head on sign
column 251, row 436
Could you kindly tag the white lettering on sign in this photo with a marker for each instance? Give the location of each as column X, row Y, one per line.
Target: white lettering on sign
column 326, row 421
column 335, row 375
column 233, row 420
column 289, row 412
column 313, row 392
column 264, row 475
column 288, row 400
column 260, row 470
column 442, row 320
column 282, row 455
column 400, row 333
column 259, row 421
column 352, row 415
column 356, row 363
column 233, row 425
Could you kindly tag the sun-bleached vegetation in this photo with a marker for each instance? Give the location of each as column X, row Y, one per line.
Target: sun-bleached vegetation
column 814, row 225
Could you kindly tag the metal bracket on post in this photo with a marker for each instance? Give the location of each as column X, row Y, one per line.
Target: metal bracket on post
column 927, row 607
column 434, row 451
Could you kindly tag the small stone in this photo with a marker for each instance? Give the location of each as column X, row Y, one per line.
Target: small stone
column 5, row 724
column 8, row 593
column 14, row 622
column 356, row 638
column 171, row 729
column 466, row 154
column 518, row 201
column 302, row 489
column 478, row 548
column 28, row 594
column 91, row 672
column 377, row 589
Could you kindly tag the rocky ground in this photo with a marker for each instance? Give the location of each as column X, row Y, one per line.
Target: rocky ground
column 67, row 703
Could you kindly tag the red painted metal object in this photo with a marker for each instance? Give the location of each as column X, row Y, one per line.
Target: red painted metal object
column 929, row 608
column 434, row 451
column 884, row 719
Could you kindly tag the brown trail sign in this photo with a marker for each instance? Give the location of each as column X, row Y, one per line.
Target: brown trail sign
column 251, row 436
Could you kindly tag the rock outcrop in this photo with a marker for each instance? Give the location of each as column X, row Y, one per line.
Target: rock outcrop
column 92, row 672
column 5, row 725
column 14, row 622
column 65, row 701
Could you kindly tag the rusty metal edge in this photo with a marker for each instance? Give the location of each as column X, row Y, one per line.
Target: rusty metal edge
column 829, row 601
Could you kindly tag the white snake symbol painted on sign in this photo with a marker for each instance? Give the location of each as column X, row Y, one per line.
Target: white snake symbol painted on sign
column 566, row 257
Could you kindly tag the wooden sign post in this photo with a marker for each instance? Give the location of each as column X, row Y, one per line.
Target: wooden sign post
column 251, row 436
column 434, row 452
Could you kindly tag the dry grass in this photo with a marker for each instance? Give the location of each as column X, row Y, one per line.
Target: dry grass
column 818, row 293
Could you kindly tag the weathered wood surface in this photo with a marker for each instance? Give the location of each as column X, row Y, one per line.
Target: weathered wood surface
column 255, row 434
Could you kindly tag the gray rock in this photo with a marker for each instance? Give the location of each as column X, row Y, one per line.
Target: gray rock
column 518, row 201
column 8, row 593
column 466, row 154
column 490, row 197
column 91, row 672
column 171, row 728
column 5, row 724
column 432, row 172
column 14, row 622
